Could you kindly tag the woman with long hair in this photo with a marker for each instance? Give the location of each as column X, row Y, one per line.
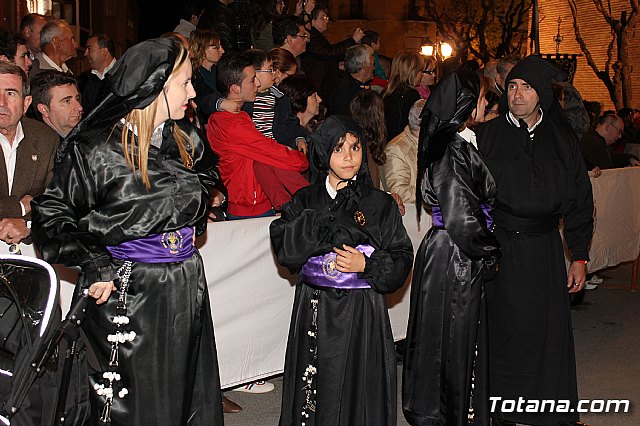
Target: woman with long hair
column 304, row 98
column 128, row 196
column 284, row 64
column 367, row 109
column 262, row 14
column 444, row 376
column 401, row 93
column 428, row 77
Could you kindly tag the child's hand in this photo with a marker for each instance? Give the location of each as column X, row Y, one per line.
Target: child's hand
column 349, row 259
column 302, row 146
column 231, row 105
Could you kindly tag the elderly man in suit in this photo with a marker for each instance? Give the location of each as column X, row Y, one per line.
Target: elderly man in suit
column 28, row 149
column 58, row 45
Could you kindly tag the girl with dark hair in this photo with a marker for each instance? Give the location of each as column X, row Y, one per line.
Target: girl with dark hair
column 128, row 196
column 367, row 109
column 348, row 245
column 444, row 368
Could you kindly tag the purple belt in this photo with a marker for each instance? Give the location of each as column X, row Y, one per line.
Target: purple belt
column 436, row 215
column 321, row 271
column 172, row 246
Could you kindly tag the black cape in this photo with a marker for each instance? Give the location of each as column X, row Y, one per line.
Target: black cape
column 95, row 200
column 539, row 182
column 355, row 382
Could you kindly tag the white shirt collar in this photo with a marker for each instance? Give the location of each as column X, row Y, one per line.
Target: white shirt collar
column 48, row 60
column 513, row 120
column 106, row 70
column 469, row 135
column 332, row 192
column 10, row 153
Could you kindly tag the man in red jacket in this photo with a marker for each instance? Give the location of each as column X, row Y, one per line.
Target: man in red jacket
column 238, row 143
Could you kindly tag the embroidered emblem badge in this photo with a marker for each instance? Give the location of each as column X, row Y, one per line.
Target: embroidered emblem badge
column 172, row 241
column 330, row 267
column 34, row 157
column 358, row 216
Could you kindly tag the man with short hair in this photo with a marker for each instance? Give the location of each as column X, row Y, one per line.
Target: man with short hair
column 239, row 144
column 13, row 48
column 596, row 143
column 359, row 66
column 57, row 100
column 535, row 160
column 58, row 45
column 28, row 149
column 100, row 51
column 30, row 27
column 320, row 61
column 290, row 34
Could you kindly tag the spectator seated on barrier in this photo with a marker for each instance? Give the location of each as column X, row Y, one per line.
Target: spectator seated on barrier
column 235, row 139
column 595, row 146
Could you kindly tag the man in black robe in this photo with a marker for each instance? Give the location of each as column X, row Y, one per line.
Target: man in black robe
column 541, row 178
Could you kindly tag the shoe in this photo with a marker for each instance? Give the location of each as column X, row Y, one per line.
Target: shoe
column 596, row 280
column 259, row 386
column 590, row 285
column 230, row 407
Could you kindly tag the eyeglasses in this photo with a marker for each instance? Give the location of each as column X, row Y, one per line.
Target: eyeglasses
column 428, row 72
column 325, row 18
column 617, row 128
column 301, row 35
column 270, row 70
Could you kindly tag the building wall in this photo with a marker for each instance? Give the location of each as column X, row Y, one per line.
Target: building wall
column 596, row 33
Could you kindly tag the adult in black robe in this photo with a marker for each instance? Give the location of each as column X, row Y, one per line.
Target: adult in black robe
column 95, row 200
column 541, row 178
column 447, row 291
column 341, row 339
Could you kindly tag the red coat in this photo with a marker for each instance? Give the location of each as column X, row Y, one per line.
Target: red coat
column 238, row 144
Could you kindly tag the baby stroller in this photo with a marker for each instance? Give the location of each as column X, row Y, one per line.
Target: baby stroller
column 38, row 353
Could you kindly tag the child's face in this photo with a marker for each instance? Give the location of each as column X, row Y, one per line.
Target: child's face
column 346, row 160
column 265, row 76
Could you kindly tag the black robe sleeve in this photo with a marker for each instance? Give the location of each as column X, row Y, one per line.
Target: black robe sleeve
column 461, row 183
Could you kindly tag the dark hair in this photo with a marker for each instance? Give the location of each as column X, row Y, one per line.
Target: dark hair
column 370, row 37
column 320, row 7
column 258, row 57
column 231, row 70
column 261, row 13
column 10, row 68
column 285, row 26
column 624, row 112
column 8, row 45
column 43, row 82
column 190, row 8
column 367, row 109
column 29, row 20
column 297, row 88
column 608, row 119
column 105, row 42
column 492, row 99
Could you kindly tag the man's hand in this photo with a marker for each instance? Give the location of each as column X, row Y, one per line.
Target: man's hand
column 349, row 259
column 302, row 146
column 26, row 202
column 596, row 172
column 101, row 291
column 13, row 230
column 577, row 276
column 231, row 105
column 399, row 202
column 357, row 35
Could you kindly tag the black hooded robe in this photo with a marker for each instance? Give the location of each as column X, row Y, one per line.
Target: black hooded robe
column 447, row 294
column 355, row 383
column 539, row 181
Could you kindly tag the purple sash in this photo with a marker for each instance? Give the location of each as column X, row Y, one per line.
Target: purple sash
column 321, row 271
column 172, row 246
column 436, row 215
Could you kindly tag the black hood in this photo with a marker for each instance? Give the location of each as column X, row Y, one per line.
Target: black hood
column 539, row 73
column 324, row 140
column 135, row 80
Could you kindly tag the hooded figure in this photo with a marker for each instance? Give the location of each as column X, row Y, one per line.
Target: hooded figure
column 537, row 165
column 349, row 248
column 446, row 336
column 130, row 189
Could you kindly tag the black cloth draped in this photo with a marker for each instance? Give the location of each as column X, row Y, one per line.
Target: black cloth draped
column 446, row 336
column 170, row 369
column 356, row 367
column 539, row 181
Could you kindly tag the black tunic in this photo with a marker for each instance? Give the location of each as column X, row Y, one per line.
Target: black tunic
column 356, row 369
column 170, row 369
column 539, row 181
column 447, row 294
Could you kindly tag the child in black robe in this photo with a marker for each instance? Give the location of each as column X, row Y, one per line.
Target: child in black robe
column 340, row 366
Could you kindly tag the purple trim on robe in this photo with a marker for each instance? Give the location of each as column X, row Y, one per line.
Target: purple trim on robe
column 321, row 271
column 171, row 246
column 436, row 215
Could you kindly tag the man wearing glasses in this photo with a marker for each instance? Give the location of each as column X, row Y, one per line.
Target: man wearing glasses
column 595, row 146
column 320, row 62
column 290, row 34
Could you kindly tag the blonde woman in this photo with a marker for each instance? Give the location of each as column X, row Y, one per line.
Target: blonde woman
column 128, row 196
column 401, row 92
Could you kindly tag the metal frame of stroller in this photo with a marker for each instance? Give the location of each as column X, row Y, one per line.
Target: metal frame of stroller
column 40, row 339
